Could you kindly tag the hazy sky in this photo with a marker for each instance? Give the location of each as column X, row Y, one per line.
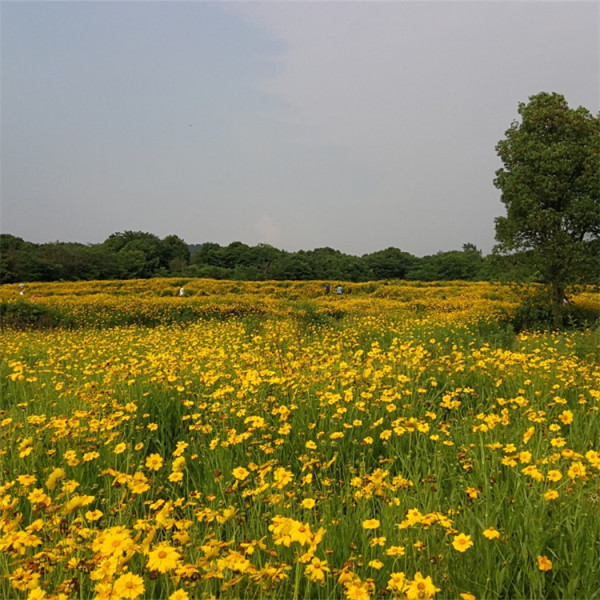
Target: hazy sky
column 355, row 125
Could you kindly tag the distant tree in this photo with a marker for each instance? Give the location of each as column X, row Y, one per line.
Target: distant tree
column 72, row 261
column 470, row 247
column 137, row 254
column 12, row 248
column 248, row 262
column 294, row 266
column 550, row 185
column 132, row 264
column 454, row 265
column 353, row 268
column 237, row 253
column 210, row 272
column 207, row 254
column 260, row 258
column 174, row 254
column 424, row 268
column 133, row 243
column 326, row 263
column 390, row 263
column 32, row 266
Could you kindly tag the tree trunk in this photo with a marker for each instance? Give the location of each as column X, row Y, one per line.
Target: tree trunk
column 558, row 301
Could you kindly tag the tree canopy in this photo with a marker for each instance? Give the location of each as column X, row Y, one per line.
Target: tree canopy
column 137, row 254
column 550, row 184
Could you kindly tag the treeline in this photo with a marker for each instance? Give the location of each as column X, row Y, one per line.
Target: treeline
column 128, row 255
column 136, row 254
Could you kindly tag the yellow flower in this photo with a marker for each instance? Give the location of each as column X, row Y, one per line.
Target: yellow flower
column 120, row 448
column 53, row 478
column 22, row 579
column 420, row 588
column 285, row 531
column 308, row 503
column 566, row 416
column 70, row 486
column 472, row 493
column 37, row 496
column 301, row 533
column 129, row 586
column 577, row 469
column 178, row 464
column 491, row 533
column 395, row 551
column 376, row 564
column 163, row 558
column 240, row 473
column 282, row 477
column 179, row 595
column 371, row 524
column 525, row 457
column 526, row 437
column 228, row 513
column 346, row 576
column 105, row 591
column 544, row 563
column 154, row 462
column 26, row 480
column 462, row 542
column 26, row 447
column 180, row 448
column 414, row 516
column 357, row 590
column 36, row 593
column 467, row 596
column 316, row 570
column 551, row 495
column 554, row 475
column 115, row 540
column 396, row 582
column 378, row 541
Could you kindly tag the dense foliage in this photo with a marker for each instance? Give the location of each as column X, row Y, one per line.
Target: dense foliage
column 132, row 255
column 550, row 184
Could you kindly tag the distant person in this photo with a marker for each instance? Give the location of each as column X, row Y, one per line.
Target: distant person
column 21, row 289
column 340, row 291
column 181, row 291
column 327, row 288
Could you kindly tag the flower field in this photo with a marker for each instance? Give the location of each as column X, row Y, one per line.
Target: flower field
column 263, row 440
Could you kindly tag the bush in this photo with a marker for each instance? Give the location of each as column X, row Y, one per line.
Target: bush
column 538, row 313
column 23, row 314
column 307, row 314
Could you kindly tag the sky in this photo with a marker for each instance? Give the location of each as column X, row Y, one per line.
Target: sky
column 356, row 125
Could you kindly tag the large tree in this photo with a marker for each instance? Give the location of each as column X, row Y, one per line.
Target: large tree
column 550, row 185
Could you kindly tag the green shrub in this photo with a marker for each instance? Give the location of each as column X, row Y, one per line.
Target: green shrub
column 24, row 314
column 538, row 313
column 307, row 314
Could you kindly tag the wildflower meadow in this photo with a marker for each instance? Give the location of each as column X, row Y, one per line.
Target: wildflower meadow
column 266, row 440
